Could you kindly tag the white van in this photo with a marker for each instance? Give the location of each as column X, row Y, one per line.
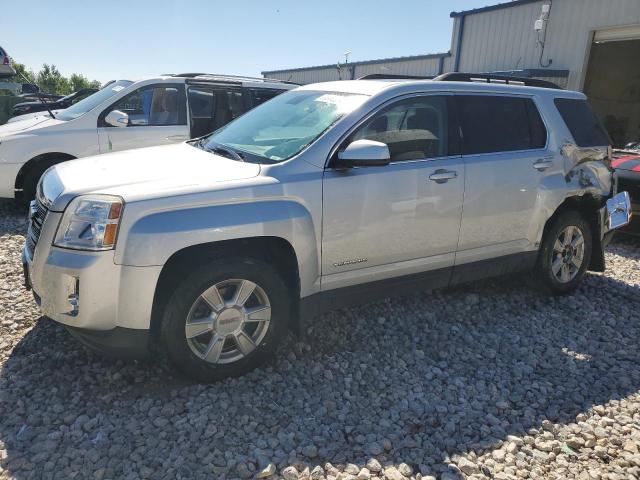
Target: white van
column 124, row 115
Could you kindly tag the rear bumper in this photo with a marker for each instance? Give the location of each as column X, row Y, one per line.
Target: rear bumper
column 617, row 212
column 633, row 228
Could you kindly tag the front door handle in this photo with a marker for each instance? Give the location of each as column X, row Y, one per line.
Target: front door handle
column 542, row 164
column 442, row 176
column 176, row 138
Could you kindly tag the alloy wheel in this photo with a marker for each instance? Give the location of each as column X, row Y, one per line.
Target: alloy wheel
column 568, row 254
column 228, row 321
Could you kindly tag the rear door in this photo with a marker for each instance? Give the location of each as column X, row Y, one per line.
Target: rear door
column 157, row 116
column 504, row 142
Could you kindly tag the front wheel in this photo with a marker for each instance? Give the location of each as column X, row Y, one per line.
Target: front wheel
column 565, row 253
column 226, row 319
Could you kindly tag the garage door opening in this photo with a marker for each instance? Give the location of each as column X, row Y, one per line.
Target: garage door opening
column 612, row 84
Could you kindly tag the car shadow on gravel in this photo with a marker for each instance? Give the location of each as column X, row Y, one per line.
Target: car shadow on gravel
column 15, row 215
column 417, row 380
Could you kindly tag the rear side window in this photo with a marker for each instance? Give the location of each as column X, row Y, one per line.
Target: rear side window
column 499, row 124
column 583, row 123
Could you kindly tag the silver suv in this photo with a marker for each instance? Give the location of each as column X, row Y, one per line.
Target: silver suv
column 324, row 196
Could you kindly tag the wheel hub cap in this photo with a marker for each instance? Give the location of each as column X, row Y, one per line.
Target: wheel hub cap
column 228, row 321
column 568, row 254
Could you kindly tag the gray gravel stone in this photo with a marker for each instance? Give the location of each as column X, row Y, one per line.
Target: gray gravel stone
column 488, row 380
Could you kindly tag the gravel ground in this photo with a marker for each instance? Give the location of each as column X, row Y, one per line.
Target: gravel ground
column 493, row 380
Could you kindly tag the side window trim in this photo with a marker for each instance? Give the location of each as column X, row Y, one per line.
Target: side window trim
column 182, row 106
column 454, row 129
column 535, row 102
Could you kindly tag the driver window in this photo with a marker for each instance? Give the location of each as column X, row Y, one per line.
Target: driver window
column 413, row 129
column 155, row 105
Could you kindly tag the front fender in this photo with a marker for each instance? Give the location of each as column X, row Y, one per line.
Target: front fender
column 154, row 238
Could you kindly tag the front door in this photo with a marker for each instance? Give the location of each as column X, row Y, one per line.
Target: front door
column 403, row 218
column 157, row 116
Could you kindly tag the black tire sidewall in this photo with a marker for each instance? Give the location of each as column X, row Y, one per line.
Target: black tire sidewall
column 175, row 314
column 545, row 273
column 33, row 176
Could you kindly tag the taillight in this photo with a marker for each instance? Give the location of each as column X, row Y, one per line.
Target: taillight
column 5, row 61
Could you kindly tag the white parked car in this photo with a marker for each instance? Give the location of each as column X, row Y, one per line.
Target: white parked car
column 29, row 116
column 125, row 115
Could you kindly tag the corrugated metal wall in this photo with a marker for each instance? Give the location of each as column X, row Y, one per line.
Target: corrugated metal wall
column 418, row 66
column 500, row 39
column 504, row 39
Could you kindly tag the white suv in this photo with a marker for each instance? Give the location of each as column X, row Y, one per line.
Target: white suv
column 125, row 115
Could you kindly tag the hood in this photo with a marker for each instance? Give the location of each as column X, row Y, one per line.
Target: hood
column 30, row 123
column 143, row 173
column 40, row 115
column 630, row 162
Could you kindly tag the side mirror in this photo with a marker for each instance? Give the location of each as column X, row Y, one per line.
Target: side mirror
column 364, row 153
column 116, row 118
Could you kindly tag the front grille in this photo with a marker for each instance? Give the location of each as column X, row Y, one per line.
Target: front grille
column 37, row 215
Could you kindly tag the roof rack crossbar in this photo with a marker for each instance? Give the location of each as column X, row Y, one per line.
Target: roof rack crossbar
column 495, row 78
column 392, row 76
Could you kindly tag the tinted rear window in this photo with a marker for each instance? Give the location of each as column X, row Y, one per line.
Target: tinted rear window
column 499, row 124
column 583, row 123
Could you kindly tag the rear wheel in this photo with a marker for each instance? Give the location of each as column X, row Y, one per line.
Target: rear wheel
column 226, row 319
column 565, row 253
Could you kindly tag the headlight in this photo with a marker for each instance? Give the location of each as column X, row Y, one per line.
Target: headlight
column 90, row 222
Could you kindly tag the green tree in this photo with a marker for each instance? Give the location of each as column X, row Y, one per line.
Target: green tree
column 22, row 72
column 78, row 81
column 49, row 79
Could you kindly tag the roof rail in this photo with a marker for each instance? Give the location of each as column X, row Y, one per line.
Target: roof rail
column 494, row 78
column 392, row 76
column 237, row 78
column 185, row 74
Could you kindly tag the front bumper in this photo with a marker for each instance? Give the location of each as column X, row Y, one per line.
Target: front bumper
column 119, row 342
column 107, row 306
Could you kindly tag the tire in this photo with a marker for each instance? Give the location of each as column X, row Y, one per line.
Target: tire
column 562, row 265
column 229, row 333
column 33, row 176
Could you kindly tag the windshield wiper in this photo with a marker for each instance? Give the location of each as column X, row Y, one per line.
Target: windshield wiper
column 46, row 105
column 223, row 150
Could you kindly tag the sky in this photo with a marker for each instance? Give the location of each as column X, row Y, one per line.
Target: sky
column 141, row 38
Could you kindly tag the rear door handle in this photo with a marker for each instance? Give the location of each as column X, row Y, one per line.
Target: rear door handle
column 442, row 176
column 176, row 138
column 542, row 164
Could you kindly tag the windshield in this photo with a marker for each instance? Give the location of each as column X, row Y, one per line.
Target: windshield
column 282, row 127
column 92, row 101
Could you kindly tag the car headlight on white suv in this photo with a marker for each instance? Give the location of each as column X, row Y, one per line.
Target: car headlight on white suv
column 90, row 222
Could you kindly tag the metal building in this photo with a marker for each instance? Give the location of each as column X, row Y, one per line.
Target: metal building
column 589, row 45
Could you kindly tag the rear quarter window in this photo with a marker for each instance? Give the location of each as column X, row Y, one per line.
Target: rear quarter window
column 583, row 123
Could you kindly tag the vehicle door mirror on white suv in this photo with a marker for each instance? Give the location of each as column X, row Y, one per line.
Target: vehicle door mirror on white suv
column 364, row 153
column 117, row 118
